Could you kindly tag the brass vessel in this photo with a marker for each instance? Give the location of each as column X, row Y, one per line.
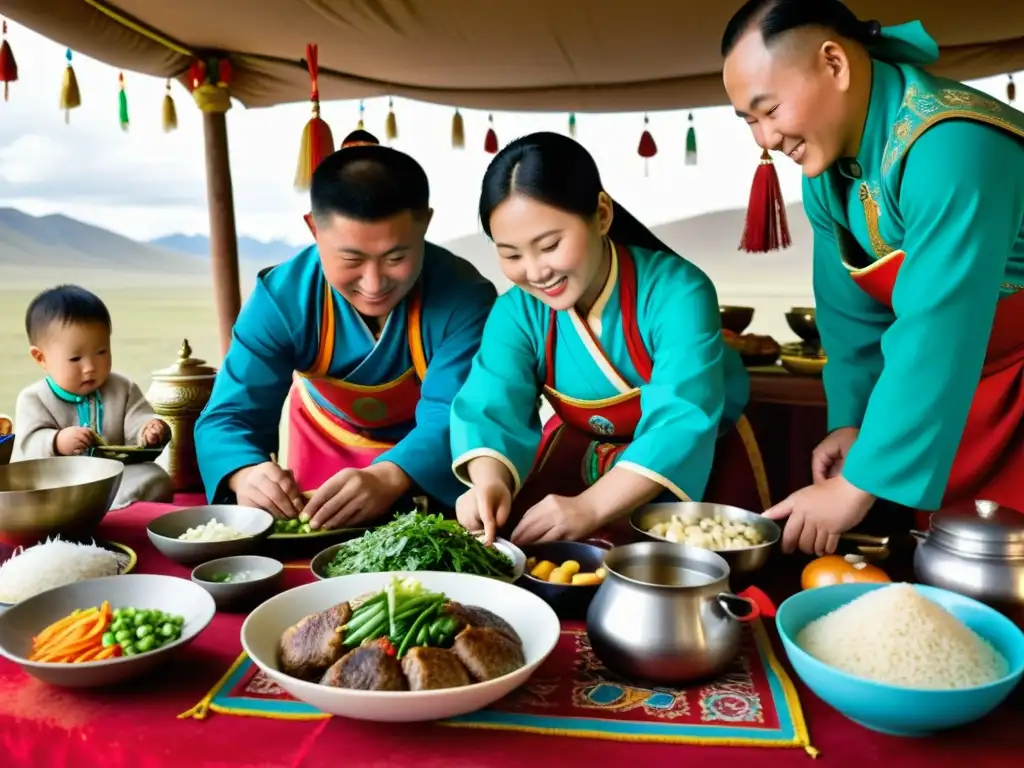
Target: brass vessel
column 178, row 394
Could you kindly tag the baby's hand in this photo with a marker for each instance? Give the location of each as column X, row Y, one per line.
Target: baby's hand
column 74, row 441
column 154, row 433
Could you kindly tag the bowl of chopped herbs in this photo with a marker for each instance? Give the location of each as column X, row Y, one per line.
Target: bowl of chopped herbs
column 417, row 541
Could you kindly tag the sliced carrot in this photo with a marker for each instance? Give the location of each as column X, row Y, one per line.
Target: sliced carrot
column 106, row 653
column 64, row 627
column 89, row 655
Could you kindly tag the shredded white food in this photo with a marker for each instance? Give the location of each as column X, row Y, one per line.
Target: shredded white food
column 715, row 533
column 53, row 564
column 895, row 635
column 214, row 530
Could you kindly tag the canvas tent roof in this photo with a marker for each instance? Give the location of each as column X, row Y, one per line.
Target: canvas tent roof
column 582, row 55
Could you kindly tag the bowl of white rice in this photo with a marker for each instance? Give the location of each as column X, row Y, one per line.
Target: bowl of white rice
column 902, row 659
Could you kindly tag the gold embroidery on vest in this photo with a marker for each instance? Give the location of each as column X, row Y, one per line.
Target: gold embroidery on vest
column 872, row 212
column 928, row 109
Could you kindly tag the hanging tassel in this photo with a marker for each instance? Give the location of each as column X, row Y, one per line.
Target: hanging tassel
column 491, row 139
column 691, row 143
column 766, row 228
column 170, row 116
column 1011, row 91
column 361, row 125
column 391, row 124
column 70, row 95
column 647, row 148
column 572, row 125
column 317, row 140
column 8, row 66
column 458, row 131
column 122, row 102
column 224, row 73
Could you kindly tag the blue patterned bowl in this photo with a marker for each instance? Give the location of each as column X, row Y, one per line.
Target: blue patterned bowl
column 887, row 708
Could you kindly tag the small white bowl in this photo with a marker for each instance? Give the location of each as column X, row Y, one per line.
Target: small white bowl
column 164, row 531
column 230, row 595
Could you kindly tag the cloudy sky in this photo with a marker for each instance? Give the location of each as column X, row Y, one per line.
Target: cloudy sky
column 144, row 183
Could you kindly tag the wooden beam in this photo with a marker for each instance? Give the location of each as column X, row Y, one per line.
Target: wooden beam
column 223, row 237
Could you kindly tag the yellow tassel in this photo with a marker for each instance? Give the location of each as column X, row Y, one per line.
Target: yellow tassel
column 391, row 124
column 317, row 143
column 170, row 113
column 458, row 132
column 70, row 96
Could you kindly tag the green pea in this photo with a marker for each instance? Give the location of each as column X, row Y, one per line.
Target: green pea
column 144, row 631
column 145, row 644
column 168, row 630
column 122, row 637
column 116, row 626
column 108, row 639
column 139, row 619
column 178, row 620
column 127, row 649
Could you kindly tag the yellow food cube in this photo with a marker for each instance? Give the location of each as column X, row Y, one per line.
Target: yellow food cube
column 558, row 576
column 542, row 570
column 599, row 573
column 585, row 579
column 571, row 567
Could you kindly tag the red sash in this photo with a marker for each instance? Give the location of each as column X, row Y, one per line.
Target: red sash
column 596, row 432
column 320, row 443
column 989, row 462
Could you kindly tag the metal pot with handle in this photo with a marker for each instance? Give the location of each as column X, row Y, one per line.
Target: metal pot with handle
column 976, row 550
column 665, row 613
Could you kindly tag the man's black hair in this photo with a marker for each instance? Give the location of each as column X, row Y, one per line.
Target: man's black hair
column 359, row 136
column 776, row 17
column 67, row 305
column 368, row 183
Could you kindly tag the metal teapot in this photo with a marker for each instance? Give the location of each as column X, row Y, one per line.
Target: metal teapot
column 665, row 614
column 976, row 550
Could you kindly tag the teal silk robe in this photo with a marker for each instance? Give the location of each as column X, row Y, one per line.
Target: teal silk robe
column 697, row 381
column 277, row 333
column 950, row 193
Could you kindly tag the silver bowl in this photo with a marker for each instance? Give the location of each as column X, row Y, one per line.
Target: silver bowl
column 65, row 495
column 19, row 624
column 228, row 595
column 164, row 531
column 745, row 560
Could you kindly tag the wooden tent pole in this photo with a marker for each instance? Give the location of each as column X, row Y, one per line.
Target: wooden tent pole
column 223, row 238
column 214, row 102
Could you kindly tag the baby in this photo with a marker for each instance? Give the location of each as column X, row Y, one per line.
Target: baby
column 69, row 335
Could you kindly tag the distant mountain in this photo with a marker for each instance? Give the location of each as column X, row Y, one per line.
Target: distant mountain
column 249, row 249
column 711, row 242
column 60, row 242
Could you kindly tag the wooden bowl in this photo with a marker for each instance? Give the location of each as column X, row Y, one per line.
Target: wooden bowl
column 736, row 319
column 803, row 323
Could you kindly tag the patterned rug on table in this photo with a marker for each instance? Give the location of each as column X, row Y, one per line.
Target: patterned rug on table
column 753, row 703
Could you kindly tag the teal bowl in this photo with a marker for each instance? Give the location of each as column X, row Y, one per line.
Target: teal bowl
column 891, row 709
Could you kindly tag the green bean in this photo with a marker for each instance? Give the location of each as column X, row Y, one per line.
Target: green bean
column 359, row 618
column 423, row 636
column 414, row 606
column 368, row 630
column 423, row 617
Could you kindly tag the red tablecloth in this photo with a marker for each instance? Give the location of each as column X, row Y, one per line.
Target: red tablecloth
column 137, row 727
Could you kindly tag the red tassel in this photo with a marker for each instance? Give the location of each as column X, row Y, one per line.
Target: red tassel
column 646, row 148
column 766, row 227
column 317, row 141
column 491, row 139
column 8, row 66
column 224, row 73
column 196, row 73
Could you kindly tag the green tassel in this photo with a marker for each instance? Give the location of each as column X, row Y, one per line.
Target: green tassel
column 691, row 144
column 122, row 101
column 572, row 124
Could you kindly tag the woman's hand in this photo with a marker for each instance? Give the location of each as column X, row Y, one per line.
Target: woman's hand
column 830, row 455
column 484, row 507
column 819, row 514
column 556, row 518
